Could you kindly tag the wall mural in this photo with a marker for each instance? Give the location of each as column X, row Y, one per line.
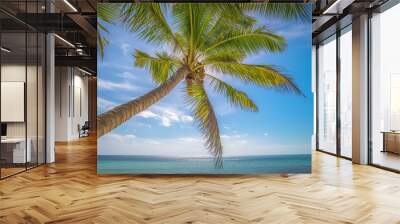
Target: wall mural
column 210, row 88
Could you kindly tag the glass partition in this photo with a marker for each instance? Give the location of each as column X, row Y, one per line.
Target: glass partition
column 41, row 97
column 22, row 77
column 346, row 93
column 13, row 94
column 385, row 89
column 327, row 95
column 31, row 98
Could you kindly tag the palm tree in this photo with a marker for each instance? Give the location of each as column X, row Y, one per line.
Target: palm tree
column 205, row 39
column 106, row 13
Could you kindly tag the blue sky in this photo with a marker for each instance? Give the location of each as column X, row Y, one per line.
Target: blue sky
column 283, row 124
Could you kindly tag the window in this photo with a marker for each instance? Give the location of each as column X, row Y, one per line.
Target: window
column 385, row 89
column 327, row 95
column 22, row 77
column 346, row 92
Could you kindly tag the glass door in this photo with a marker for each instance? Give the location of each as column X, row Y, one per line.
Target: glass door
column 385, row 89
column 327, row 95
column 346, row 92
column 22, row 77
column 14, row 155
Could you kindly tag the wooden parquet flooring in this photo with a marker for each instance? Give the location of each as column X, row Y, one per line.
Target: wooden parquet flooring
column 70, row 191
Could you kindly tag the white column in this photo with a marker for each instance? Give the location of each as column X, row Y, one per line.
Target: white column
column 50, row 100
column 360, row 90
column 50, row 92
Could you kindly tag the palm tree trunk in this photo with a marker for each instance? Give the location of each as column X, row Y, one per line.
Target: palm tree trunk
column 118, row 115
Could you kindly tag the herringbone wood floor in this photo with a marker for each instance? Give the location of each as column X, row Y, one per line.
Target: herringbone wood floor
column 70, row 191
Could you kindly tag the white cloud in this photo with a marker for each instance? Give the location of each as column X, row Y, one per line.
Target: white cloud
column 186, row 118
column 121, row 138
column 189, row 139
column 190, row 146
column 105, row 104
column 166, row 116
column 117, row 66
column 109, row 85
column 148, row 114
column 166, row 122
column 296, row 31
column 125, row 47
column 235, row 136
column 127, row 75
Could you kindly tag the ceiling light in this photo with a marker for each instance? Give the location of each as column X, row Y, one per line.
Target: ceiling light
column 337, row 7
column 84, row 71
column 70, row 5
column 326, row 11
column 65, row 41
column 5, row 50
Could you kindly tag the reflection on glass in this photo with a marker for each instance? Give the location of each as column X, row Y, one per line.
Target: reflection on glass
column 327, row 96
column 346, row 94
column 395, row 102
column 385, row 114
column 41, row 98
column 22, row 91
column 31, row 100
column 14, row 153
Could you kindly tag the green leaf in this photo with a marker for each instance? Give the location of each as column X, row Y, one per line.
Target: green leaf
column 206, row 120
column 283, row 10
column 148, row 21
column 261, row 75
column 161, row 66
column 102, row 42
column 105, row 13
column 248, row 41
column 234, row 96
column 226, row 55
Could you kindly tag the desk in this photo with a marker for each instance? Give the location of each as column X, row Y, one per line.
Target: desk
column 18, row 150
column 391, row 141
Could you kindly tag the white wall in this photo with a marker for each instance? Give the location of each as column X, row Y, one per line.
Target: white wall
column 33, row 126
column 71, row 87
column 17, row 73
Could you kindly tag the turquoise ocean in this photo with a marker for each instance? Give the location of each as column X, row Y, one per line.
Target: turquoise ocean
column 127, row 164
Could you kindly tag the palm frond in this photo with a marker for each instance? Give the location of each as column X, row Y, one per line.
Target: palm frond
column 283, row 10
column 206, row 120
column 228, row 16
column 248, row 41
column 148, row 20
column 105, row 13
column 234, row 96
column 192, row 22
column 160, row 66
column 260, row 75
column 224, row 56
column 102, row 43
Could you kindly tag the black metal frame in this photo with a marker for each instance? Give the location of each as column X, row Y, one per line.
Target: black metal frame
column 380, row 9
column 44, row 80
column 338, row 152
column 387, row 5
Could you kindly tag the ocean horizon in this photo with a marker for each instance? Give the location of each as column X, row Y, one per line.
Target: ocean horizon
column 260, row 164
